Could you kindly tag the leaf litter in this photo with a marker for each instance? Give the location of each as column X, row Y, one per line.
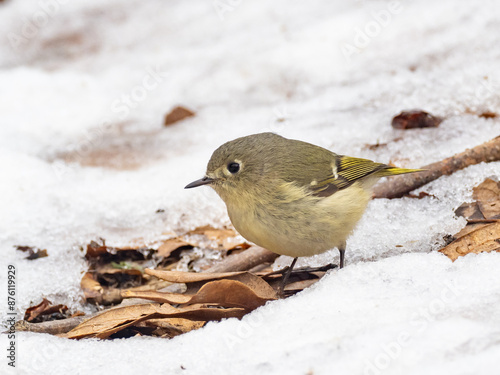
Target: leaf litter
column 482, row 232
column 173, row 302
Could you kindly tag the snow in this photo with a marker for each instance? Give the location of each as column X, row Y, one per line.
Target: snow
column 89, row 77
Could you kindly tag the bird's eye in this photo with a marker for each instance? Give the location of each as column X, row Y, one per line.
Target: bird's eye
column 233, row 167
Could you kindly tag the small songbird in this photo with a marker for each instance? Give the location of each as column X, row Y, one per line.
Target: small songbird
column 292, row 197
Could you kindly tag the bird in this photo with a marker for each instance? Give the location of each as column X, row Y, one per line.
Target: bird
column 292, row 197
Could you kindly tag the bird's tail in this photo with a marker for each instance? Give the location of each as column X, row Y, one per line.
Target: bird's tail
column 391, row 171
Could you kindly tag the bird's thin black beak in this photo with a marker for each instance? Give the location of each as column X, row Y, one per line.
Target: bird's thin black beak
column 202, row 181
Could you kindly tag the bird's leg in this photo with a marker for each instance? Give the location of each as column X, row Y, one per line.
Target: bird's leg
column 286, row 275
column 342, row 253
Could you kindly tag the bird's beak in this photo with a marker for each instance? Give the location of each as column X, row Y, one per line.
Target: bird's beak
column 202, row 181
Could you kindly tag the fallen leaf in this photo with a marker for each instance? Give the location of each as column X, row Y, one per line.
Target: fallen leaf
column 170, row 245
column 230, row 293
column 470, row 211
column 484, row 239
column 487, row 195
column 177, row 114
column 488, row 114
column 415, row 119
column 112, row 270
column 114, row 320
column 33, row 311
column 226, row 239
column 33, row 253
column 117, row 319
column 161, row 297
column 189, row 277
column 45, row 307
column 94, row 292
column 222, row 239
column 259, row 286
column 94, row 249
column 226, row 293
column 97, row 250
column 92, row 289
column 469, row 228
column 171, row 327
column 23, row 248
column 38, row 254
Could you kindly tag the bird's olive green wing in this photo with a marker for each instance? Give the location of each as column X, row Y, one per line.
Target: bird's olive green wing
column 344, row 171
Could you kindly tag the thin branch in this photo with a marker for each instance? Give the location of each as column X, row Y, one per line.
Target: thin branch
column 398, row 186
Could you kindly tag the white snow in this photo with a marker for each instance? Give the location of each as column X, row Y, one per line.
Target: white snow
column 82, row 77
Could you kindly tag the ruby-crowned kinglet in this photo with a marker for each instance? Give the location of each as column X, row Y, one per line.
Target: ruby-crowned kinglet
column 292, row 197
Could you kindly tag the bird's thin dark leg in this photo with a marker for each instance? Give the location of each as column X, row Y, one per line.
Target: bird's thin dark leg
column 286, row 275
column 342, row 253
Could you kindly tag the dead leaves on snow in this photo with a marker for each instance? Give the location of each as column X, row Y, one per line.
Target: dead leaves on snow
column 33, row 253
column 45, row 310
column 155, row 299
column 482, row 233
column 113, row 269
column 175, row 320
column 208, row 297
column 415, row 119
column 206, row 236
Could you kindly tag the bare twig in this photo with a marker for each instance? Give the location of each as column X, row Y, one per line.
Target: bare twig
column 53, row 327
column 398, row 186
column 244, row 261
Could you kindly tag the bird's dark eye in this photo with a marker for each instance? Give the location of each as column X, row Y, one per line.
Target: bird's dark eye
column 233, row 167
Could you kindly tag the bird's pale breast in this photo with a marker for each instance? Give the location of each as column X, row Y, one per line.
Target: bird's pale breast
column 295, row 224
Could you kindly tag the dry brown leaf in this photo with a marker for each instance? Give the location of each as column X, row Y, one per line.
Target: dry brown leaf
column 33, row 311
column 487, row 195
column 95, row 249
column 230, row 293
column 203, row 313
column 170, row 245
column 488, row 114
column 94, row 292
column 33, row 252
column 259, row 286
column 45, row 307
column 171, row 327
column 226, row 293
column 227, row 239
column 470, row 211
column 232, row 243
column 114, row 320
column 469, row 228
column 117, row 319
column 91, row 288
column 177, row 114
column 484, row 239
column 214, row 233
column 161, row 297
column 152, row 284
column 415, row 119
column 189, row 277
column 112, row 271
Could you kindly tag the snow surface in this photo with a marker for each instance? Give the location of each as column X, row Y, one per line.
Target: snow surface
column 82, row 77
